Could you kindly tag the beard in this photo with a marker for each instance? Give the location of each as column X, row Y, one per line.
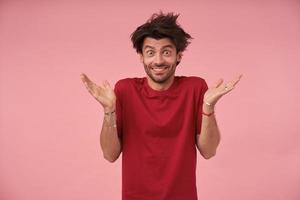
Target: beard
column 160, row 73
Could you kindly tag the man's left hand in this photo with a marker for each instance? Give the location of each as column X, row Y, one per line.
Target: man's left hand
column 214, row 93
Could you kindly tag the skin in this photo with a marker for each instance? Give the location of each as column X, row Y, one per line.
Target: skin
column 159, row 58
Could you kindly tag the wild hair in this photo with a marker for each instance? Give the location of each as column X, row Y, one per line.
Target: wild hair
column 161, row 26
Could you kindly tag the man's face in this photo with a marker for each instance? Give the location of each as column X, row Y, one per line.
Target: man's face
column 160, row 59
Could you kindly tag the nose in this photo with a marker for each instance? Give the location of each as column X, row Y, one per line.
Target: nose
column 158, row 60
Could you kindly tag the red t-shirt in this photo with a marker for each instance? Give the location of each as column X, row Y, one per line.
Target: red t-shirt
column 158, row 131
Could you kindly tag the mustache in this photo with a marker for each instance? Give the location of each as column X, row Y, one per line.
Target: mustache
column 159, row 65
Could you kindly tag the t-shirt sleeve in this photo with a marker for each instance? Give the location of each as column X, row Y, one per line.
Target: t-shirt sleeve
column 203, row 88
column 118, row 93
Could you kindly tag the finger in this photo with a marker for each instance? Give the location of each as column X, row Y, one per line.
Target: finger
column 226, row 90
column 230, row 86
column 86, row 79
column 236, row 80
column 90, row 90
column 107, row 84
column 218, row 83
column 232, row 83
column 95, row 91
column 82, row 76
column 90, row 86
column 89, row 83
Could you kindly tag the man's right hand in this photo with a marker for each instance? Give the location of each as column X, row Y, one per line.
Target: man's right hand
column 104, row 94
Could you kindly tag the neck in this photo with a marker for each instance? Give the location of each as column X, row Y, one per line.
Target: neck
column 160, row 86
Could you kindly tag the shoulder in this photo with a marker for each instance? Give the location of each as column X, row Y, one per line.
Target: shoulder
column 193, row 81
column 122, row 83
column 126, row 83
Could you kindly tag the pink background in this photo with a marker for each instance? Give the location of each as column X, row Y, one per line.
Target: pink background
column 50, row 125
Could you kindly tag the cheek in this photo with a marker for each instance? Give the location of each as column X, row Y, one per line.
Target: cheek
column 172, row 61
column 147, row 62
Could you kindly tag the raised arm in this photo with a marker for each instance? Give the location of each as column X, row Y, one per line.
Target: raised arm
column 109, row 140
column 209, row 138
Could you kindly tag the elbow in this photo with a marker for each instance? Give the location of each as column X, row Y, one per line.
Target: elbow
column 111, row 155
column 110, row 159
column 208, row 155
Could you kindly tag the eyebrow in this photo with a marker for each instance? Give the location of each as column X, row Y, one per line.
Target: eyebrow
column 166, row 46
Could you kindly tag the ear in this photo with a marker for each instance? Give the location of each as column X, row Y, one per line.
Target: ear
column 179, row 56
column 141, row 57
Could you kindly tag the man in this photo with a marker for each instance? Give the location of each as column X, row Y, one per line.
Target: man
column 158, row 121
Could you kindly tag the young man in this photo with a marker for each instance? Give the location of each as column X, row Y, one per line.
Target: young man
column 158, row 121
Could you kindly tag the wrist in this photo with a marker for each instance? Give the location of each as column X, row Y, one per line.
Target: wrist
column 110, row 113
column 109, row 109
column 110, row 117
column 208, row 108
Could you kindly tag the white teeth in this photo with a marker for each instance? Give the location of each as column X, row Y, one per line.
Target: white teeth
column 159, row 69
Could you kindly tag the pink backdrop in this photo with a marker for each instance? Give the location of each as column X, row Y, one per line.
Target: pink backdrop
column 50, row 125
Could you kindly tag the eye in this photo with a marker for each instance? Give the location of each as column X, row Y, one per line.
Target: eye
column 150, row 53
column 167, row 53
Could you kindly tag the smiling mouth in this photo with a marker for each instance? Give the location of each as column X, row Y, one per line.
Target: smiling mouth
column 159, row 69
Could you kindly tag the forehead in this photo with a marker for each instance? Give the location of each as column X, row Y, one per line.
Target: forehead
column 157, row 43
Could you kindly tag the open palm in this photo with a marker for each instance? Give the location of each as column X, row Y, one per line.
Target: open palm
column 104, row 94
column 214, row 93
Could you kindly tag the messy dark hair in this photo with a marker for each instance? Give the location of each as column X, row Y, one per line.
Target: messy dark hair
column 161, row 26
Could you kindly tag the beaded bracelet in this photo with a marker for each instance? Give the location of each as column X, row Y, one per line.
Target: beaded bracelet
column 109, row 113
column 110, row 119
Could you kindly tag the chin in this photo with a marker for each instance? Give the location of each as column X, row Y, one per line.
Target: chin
column 161, row 80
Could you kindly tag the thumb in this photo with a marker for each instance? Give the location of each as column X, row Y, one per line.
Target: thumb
column 218, row 83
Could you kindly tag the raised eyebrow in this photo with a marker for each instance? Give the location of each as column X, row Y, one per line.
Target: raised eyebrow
column 168, row 46
column 147, row 46
column 164, row 47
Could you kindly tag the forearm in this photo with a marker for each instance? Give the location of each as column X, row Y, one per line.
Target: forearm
column 209, row 138
column 109, row 140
